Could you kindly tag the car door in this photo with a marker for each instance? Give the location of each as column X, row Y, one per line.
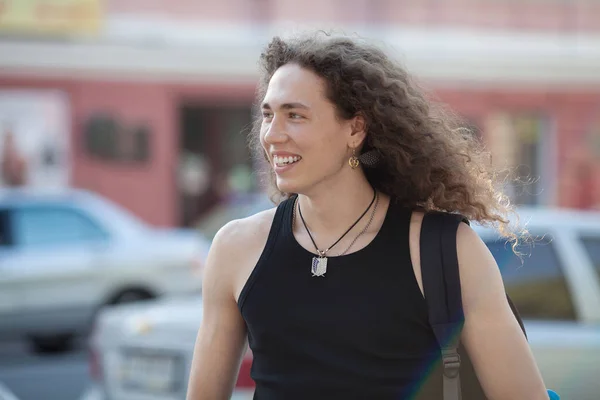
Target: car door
column 10, row 289
column 586, row 383
column 57, row 249
column 590, row 243
column 538, row 282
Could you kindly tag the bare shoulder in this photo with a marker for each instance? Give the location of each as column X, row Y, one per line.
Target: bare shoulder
column 416, row 220
column 491, row 334
column 471, row 251
column 474, row 257
column 479, row 274
column 237, row 235
column 235, row 250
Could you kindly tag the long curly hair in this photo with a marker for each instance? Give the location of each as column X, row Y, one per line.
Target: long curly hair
column 427, row 159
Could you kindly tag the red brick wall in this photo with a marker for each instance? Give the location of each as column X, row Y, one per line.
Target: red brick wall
column 149, row 189
column 145, row 189
column 574, row 114
column 577, row 15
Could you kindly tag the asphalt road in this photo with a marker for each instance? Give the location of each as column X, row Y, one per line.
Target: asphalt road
column 43, row 377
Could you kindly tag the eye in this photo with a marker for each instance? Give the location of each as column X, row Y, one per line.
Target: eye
column 267, row 115
column 295, row 116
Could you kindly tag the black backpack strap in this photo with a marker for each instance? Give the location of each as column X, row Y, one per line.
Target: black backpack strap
column 441, row 284
column 517, row 315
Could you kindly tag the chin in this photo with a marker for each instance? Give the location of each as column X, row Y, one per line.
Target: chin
column 288, row 186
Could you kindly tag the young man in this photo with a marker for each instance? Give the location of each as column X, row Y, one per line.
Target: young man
column 327, row 287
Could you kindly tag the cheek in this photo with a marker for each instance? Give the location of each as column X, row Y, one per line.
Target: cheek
column 327, row 151
column 333, row 142
column 264, row 146
column 261, row 138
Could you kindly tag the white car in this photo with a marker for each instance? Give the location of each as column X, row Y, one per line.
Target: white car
column 143, row 352
column 64, row 255
column 6, row 394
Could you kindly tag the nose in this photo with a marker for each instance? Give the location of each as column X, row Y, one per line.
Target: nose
column 273, row 132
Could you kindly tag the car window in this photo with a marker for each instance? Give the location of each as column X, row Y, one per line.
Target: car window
column 5, row 235
column 592, row 247
column 534, row 279
column 35, row 226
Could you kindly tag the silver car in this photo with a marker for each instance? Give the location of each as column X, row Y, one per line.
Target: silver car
column 6, row 394
column 144, row 352
column 65, row 255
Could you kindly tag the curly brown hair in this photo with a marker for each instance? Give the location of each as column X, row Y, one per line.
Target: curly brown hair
column 427, row 160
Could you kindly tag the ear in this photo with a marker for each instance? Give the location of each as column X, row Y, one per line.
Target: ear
column 358, row 131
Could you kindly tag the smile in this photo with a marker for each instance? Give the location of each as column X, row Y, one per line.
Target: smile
column 282, row 161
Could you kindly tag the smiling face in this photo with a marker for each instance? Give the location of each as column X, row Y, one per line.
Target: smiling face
column 306, row 143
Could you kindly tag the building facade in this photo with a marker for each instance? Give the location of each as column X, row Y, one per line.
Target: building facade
column 159, row 94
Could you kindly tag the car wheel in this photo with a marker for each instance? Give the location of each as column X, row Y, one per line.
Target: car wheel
column 123, row 297
column 51, row 344
column 131, row 296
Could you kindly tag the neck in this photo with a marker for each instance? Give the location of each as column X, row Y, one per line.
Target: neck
column 333, row 207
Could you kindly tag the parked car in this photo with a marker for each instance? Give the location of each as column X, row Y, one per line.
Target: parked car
column 144, row 352
column 236, row 207
column 6, row 394
column 64, row 255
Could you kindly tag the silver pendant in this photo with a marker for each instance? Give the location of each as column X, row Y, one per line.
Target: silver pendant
column 319, row 266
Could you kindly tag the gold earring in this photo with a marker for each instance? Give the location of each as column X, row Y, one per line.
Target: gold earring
column 353, row 161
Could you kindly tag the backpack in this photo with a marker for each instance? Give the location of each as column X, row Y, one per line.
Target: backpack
column 441, row 284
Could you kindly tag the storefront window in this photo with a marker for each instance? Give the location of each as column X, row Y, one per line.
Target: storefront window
column 521, row 146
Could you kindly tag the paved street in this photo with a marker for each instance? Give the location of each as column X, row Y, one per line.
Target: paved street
column 47, row 377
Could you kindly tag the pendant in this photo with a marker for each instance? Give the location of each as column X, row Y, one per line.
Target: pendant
column 319, row 266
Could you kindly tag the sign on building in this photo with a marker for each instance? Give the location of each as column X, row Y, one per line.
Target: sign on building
column 43, row 17
column 35, row 134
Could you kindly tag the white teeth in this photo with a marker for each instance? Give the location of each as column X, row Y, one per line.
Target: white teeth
column 281, row 161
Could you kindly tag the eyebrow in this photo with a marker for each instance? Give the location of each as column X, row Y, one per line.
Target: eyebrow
column 286, row 106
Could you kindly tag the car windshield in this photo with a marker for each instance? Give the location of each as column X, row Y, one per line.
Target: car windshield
column 116, row 216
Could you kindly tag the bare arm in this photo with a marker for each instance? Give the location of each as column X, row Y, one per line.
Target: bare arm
column 496, row 345
column 221, row 340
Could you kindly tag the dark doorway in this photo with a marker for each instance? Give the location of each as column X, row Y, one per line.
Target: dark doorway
column 214, row 161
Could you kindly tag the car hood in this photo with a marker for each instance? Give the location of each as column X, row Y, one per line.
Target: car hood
column 180, row 312
column 6, row 394
column 167, row 246
column 189, row 239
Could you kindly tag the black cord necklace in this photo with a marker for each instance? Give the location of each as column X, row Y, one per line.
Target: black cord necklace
column 319, row 264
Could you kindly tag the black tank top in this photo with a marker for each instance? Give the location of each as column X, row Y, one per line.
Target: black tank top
column 360, row 332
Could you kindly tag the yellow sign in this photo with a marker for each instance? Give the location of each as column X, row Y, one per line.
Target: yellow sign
column 50, row 16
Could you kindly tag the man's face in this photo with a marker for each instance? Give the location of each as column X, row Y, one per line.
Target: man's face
column 305, row 142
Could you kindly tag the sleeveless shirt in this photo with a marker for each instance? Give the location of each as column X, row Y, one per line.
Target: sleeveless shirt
column 359, row 332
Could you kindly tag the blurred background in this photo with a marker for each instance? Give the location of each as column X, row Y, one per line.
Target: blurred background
column 123, row 150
